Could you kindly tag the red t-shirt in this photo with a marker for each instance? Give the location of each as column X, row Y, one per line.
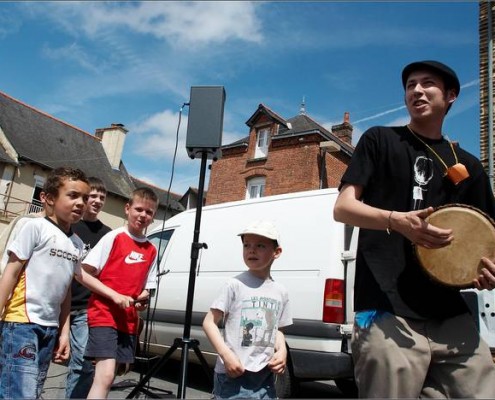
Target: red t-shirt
column 126, row 264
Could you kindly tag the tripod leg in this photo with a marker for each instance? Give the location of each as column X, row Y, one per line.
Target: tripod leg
column 202, row 360
column 181, row 389
column 152, row 371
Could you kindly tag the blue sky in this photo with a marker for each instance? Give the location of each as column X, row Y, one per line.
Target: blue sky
column 96, row 63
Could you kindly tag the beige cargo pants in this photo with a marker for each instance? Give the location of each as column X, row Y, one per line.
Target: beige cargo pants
column 405, row 358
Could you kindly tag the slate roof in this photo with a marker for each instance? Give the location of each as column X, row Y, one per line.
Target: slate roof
column 49, row 142
column 302, row 124
column 173, row 199
column 299, row 125
column 4, row 157
column 190, row 198
column 241, row 142
column 262, row 109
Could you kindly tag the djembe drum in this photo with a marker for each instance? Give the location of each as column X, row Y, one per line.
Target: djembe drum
column 459, row 263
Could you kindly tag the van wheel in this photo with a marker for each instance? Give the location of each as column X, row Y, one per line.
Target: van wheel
column 347, row 387
column 286, row 384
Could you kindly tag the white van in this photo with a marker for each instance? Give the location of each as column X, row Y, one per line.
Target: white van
column 312, row 267
column 316, row 266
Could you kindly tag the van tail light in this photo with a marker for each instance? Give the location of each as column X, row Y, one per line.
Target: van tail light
column 333, row 301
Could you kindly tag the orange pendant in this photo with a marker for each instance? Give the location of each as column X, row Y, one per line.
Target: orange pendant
column 457, row 173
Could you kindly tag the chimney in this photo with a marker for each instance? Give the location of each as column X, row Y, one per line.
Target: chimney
column 344, row 130
column 112, row 140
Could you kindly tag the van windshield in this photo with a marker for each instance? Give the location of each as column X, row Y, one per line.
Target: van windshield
column 160, row 240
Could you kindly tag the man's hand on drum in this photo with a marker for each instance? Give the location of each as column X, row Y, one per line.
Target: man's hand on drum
column 413, row 226
column 486, row 278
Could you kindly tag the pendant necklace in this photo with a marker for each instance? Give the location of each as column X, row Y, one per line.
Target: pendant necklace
column 458, row 172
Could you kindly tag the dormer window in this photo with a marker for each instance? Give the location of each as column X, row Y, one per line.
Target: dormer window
column 262, row 140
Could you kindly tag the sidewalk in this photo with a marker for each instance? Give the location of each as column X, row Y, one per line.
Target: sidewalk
column 55, row 384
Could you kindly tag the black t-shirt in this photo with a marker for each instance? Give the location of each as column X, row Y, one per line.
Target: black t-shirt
column 398, row 172
column 90, row 233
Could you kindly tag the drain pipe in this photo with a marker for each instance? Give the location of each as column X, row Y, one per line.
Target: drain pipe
column 490, row 93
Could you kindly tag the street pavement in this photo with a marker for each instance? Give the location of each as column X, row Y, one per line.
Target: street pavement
column 163, row 385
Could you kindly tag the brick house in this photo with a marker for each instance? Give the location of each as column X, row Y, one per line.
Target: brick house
column 280, row 156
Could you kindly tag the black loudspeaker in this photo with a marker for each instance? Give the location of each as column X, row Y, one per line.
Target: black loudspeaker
column 205, row 121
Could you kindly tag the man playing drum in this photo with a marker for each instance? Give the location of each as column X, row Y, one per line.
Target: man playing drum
column 414, row 337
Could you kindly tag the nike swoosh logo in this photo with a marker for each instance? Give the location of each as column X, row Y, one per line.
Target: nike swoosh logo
column 129, row 260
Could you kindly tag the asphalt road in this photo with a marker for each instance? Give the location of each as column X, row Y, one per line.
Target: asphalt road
column 165, row 384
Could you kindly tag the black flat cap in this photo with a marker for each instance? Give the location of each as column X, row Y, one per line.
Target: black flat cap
column 447, row 73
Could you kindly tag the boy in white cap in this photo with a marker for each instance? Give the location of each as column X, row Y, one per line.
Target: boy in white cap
column 253, row 308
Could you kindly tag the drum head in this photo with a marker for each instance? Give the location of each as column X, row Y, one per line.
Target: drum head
column 460, row 262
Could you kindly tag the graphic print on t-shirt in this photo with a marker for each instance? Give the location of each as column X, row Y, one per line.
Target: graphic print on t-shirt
column 134, row 257
column 259, row 321
column 86, row 250
column 423, row 172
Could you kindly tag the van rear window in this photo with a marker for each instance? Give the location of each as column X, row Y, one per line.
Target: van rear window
column 160, row 240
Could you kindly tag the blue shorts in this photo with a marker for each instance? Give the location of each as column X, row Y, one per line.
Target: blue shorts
column 108, row 342
column 250, row 385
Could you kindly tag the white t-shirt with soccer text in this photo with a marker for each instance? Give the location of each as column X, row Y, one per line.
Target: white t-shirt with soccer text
column 53, row 257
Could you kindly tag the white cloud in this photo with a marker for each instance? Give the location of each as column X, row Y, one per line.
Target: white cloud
column 474, row 82
column 187, row 23
column 182, row 23
column 8, row 24
column 72, row 52
column 159, row 136
column 160, row 47
column 381, row 114
column 154, row 141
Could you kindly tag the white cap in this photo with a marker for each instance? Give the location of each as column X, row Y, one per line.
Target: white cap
column 262, row 228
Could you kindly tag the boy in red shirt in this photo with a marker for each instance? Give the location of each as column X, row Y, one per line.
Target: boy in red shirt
column 120, row 270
